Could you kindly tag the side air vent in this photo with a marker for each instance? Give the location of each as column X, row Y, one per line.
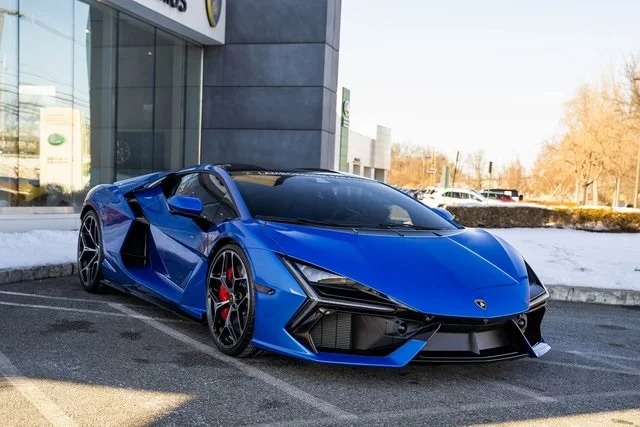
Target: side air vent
column 333, row 331
column 135, row 249
column 135, row 207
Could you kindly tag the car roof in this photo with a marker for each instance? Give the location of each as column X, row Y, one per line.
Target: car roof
column 245, row 167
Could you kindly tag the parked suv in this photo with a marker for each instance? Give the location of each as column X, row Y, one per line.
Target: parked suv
column 500, row 197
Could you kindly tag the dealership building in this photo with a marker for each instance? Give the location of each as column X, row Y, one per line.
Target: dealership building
column 97, row 91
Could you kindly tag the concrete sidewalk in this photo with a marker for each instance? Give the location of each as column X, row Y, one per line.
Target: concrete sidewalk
column 558, row 292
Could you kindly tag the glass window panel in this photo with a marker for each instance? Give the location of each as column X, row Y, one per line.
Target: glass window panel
column 169, row 101
column 135, row 139
column 47, row 138
column 9, row 184
column 193, row 102
column 95, row 28
column 98, row 32
column 92, row 91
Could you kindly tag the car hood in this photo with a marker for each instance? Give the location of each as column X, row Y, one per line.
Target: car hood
column 440, row 273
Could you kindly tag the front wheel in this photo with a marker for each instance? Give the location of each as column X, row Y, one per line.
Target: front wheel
column 90, row 254
column 231, row 302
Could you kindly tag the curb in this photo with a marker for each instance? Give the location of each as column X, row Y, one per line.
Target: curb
column 594, row 295
column 556, row 292
column 12, row 275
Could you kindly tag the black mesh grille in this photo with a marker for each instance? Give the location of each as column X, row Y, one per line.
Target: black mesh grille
column 333, row 331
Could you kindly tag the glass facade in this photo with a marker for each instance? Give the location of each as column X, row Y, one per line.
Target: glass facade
column 90, row 95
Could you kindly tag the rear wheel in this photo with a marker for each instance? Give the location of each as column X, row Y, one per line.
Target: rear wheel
column 231, row 302
column 90, row 254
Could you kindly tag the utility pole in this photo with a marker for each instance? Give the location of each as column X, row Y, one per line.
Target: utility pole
column 635, row 194
column 455, row 168
column 490, row 175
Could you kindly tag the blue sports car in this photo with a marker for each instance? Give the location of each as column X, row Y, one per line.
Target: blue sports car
column 314, row 264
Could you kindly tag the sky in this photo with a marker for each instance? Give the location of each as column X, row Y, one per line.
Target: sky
column 468, row 75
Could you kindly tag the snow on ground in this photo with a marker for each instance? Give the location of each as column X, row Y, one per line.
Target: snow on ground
column 579, row 258
column 560, row 257
column 37, row 247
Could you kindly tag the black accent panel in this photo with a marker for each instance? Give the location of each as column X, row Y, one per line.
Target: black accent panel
column 457, row 357
column 534, row 320
column 135, row 207
column 460, row 343
column 135, row 249
column 355, row 293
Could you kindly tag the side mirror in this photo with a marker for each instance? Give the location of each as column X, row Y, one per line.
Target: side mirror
column 184, row 205
column 444, row 213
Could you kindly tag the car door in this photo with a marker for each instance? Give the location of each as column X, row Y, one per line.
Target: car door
column 182, row 242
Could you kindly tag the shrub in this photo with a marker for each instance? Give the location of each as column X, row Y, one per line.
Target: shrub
column 597, row 219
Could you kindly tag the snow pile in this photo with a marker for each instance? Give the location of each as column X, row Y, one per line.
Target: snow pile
column 579, row 258
column 37, row 247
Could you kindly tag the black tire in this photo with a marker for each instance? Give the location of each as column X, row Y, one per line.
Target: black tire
column 231, row 302
column 90, row 253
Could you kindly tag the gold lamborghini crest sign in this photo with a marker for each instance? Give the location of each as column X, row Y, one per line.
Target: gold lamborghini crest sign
column 214, row 7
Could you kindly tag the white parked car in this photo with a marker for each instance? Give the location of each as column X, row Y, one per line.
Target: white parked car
column 453, row 197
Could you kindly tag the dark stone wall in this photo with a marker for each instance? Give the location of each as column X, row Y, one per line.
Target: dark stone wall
column 269, row 93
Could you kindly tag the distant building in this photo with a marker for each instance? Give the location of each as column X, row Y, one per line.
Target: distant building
column 370, row 157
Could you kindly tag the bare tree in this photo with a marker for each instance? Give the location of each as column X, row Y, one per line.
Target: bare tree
column 478, row 166
column 412, row 165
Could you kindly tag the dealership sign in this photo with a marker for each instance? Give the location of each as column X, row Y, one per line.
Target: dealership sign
column 202, row 21
column 181, row 5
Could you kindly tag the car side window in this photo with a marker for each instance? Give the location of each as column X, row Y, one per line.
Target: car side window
column 217, row 205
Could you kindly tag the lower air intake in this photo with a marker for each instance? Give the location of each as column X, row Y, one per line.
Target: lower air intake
column 333, row 331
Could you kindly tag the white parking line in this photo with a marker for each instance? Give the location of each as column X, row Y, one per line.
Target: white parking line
column 587, row 367
column 524, row 391
column 248, row 370
column 80, row 310
column 22, row 294
column 601, row 359
column 607, row 355
column 96, row 301
column 34, row 395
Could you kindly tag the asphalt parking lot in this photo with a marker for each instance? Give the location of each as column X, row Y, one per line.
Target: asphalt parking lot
column 71, row 358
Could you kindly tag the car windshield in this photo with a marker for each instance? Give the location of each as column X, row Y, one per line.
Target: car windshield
column 333, row 200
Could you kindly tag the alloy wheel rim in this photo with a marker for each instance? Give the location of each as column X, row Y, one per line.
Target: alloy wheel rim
column 228, row 299
column 89, row 250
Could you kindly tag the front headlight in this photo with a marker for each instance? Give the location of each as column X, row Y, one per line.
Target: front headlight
column 315, row 275
column 332, row 288
column 537, row 292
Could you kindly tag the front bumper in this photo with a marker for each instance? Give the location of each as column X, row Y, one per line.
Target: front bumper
column 359, row 337
column 360, row 326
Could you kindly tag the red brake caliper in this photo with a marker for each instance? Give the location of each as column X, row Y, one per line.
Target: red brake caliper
column 223, row 295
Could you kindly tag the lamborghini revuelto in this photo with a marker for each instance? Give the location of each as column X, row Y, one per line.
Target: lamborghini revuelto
column 314, row 264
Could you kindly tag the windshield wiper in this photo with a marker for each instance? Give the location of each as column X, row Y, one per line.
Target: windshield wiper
column 303, row 221
column 390, row 225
